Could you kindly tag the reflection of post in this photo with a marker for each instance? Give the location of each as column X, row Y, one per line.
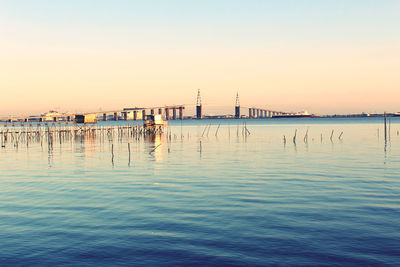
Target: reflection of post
column 384, row 125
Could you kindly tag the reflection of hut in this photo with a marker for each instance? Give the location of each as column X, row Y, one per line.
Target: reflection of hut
column 154, row 124
column 88, row 118
column 156, row 140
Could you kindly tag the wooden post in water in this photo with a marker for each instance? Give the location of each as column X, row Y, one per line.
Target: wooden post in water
column 129, row 152
column 306, row 137
column 112, row 153
column 384, row 126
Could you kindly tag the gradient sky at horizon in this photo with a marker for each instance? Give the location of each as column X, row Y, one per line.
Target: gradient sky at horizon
column 321, row 56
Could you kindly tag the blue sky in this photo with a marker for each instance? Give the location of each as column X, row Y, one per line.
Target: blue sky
column 259, row 22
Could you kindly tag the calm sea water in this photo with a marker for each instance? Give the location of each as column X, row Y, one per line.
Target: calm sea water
column 228, row 200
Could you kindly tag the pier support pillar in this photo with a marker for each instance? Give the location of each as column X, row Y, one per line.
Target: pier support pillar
column 104, row 116
column 166, row 113
column 134, row 115
column 152, row 111
column 160, row 111
column 181, row 113
column 144, row 114
column 174, row 113
column 250, row 114
column 125, row 115
column 115, row 116
column 55, row 118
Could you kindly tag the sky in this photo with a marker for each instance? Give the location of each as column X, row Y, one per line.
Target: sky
column 327, row 57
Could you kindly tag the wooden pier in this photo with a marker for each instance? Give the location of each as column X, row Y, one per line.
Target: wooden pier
column 60, row 133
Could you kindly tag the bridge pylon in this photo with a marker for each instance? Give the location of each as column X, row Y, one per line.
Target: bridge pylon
column 237, row 107
column 199, row 114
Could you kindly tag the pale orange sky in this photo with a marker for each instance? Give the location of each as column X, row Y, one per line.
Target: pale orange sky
column 74, row 66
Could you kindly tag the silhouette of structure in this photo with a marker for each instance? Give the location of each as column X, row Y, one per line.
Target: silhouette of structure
column 237, row 107
column 199, row 114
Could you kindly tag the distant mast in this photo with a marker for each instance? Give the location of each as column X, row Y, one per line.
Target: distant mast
column 237, row 107
column 198, row 106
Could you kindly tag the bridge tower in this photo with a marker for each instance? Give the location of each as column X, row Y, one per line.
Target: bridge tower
column 199, row 114
column 237, row 107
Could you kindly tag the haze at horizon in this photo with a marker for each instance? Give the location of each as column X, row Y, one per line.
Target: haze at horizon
column 324, row 57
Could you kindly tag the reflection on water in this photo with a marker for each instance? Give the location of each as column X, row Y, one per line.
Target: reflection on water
column 220, row 198
column 155, row 149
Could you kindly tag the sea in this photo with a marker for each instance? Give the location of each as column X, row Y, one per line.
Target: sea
column 259, row 192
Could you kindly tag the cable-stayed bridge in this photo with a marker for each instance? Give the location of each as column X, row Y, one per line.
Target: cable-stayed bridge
column 169, row 112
